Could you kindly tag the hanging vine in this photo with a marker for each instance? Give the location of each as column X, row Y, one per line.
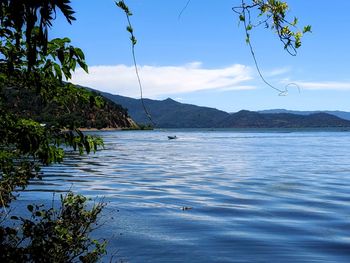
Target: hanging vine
column 183, row 9
column 133, row 39
column 272, row 14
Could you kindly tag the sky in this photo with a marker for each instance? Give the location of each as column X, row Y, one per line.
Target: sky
column 201, row 58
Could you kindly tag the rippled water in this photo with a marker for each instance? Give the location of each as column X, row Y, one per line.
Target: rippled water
column 254, row 196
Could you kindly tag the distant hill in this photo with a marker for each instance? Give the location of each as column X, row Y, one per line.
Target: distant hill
column 250, row 119
column 341, row 114
column 172, row 114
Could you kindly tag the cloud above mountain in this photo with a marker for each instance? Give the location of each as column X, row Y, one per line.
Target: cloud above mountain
column 161, row 81
column 324, row 85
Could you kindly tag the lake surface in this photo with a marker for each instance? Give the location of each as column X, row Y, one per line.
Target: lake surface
column 268, row 196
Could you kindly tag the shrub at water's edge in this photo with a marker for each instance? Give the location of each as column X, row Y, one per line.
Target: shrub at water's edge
column 31, row 72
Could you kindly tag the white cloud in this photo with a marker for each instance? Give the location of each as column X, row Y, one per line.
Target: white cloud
column 325, row 85
column 164, row 80
column 277, row 72
column 239, row 87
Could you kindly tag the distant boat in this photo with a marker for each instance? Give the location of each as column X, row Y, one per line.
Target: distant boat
column 172, row 137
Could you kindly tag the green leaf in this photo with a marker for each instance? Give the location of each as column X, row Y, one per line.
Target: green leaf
column 60, row 55
column 30, row 208
column 38, row 213
column 247, row 40
column 79, row 53
column 133, row 40
column 129, row 29
column 58, row 71
column 83, row 65
column 295, row 21
column 307, row 29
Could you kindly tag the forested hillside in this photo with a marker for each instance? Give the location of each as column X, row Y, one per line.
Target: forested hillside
column 170, row 113
column 72, row 107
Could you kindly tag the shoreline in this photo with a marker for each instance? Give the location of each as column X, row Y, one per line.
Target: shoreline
column 109, row 129
column 103, row 129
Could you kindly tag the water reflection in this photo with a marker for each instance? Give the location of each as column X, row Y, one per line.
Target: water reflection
column 255, row 197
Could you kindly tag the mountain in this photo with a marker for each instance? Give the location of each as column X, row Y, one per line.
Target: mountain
column 341, row 114
column 172, row 114
column 249, row 119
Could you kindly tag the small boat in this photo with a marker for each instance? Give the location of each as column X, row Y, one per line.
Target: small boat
column 172, row 137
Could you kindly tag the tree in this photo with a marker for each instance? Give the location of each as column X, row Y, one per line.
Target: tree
column 30, row 61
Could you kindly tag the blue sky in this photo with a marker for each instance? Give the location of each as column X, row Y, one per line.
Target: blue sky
column 202, row 58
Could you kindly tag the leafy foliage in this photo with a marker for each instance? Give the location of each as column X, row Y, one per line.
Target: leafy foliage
column 272, row 14
column 31, row 71
column 24, row 26
column 53, row 235
column 69, row 107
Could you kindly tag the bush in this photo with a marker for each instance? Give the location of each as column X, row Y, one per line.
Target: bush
column 53, row 235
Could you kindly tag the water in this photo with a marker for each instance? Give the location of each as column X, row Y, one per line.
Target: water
column 253, row 196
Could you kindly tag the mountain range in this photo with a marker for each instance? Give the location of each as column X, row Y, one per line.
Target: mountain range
column 341, row 114
column 169, row 113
